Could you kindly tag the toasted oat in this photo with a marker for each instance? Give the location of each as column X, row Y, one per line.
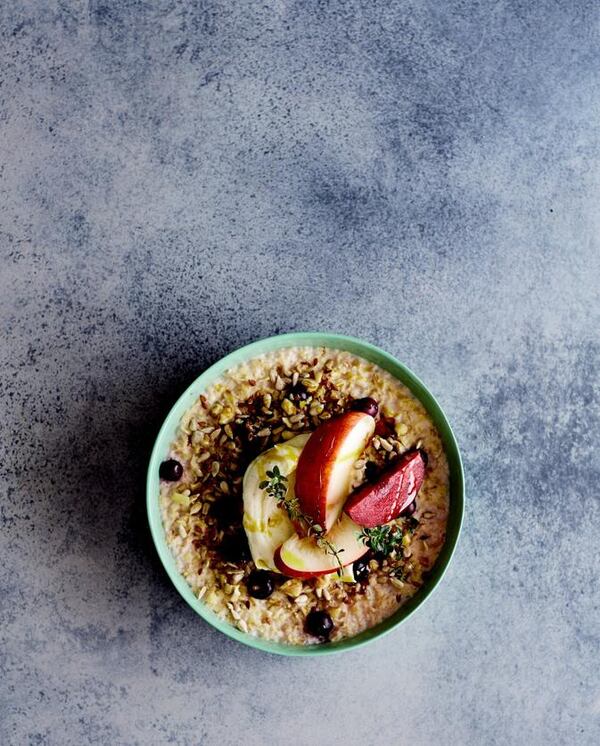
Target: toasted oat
column 292, row 588
column 233, row 612
column 288, row 407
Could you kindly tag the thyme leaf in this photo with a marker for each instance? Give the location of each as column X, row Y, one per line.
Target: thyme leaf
column 382, row 539
column 276, row 485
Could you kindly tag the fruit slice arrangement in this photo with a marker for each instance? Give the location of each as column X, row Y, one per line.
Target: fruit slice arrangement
column 298, row 515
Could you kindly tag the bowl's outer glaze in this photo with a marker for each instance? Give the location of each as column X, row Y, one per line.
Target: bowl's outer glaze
column 312, row 339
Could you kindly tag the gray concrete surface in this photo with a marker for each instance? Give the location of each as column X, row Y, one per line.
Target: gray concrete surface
column 179, row 178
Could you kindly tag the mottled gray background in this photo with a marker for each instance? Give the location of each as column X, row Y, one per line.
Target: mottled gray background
column 179, row 178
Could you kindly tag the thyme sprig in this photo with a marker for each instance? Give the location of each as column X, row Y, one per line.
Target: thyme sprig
column 277, row 487
column 382, row 539
column 330, row 548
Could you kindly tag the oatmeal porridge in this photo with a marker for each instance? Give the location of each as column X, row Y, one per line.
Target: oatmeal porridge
column 305, row 495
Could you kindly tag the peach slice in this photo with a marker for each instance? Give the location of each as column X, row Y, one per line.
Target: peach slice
column 305, row 557
column 325, row 465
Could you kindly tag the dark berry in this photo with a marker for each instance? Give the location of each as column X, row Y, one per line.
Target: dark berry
column 366, row 405
column 424, row 456
column 260, row 584
column 319, row 624
column 361, row 570
column 170, row 470
column 409, row 509
column 234, row 548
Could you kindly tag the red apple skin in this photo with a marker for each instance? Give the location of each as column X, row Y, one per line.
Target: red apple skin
column 374, row 504
column 317, row 461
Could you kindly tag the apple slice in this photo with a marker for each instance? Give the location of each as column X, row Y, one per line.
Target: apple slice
column 267, row 524
column 381, row 502
column 303, row 557
column 326, row 462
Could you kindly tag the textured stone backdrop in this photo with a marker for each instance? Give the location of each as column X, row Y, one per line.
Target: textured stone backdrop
column 179, row 178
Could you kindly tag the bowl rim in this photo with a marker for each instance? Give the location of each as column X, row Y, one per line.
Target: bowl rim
column 337, row 342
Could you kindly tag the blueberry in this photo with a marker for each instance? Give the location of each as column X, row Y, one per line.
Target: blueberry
column 170, row 470
column 319, row 624
column 234, row 548
column 409, row 509
column 366, row 405
column 260, row 584
column 361, row 570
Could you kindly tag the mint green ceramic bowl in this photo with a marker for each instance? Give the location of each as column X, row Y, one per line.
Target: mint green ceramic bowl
column 316, row 339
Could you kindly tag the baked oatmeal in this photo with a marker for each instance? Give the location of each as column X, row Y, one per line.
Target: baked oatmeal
column 281, row 534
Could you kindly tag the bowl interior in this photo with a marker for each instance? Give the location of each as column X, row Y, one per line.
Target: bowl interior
column 314, row 339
